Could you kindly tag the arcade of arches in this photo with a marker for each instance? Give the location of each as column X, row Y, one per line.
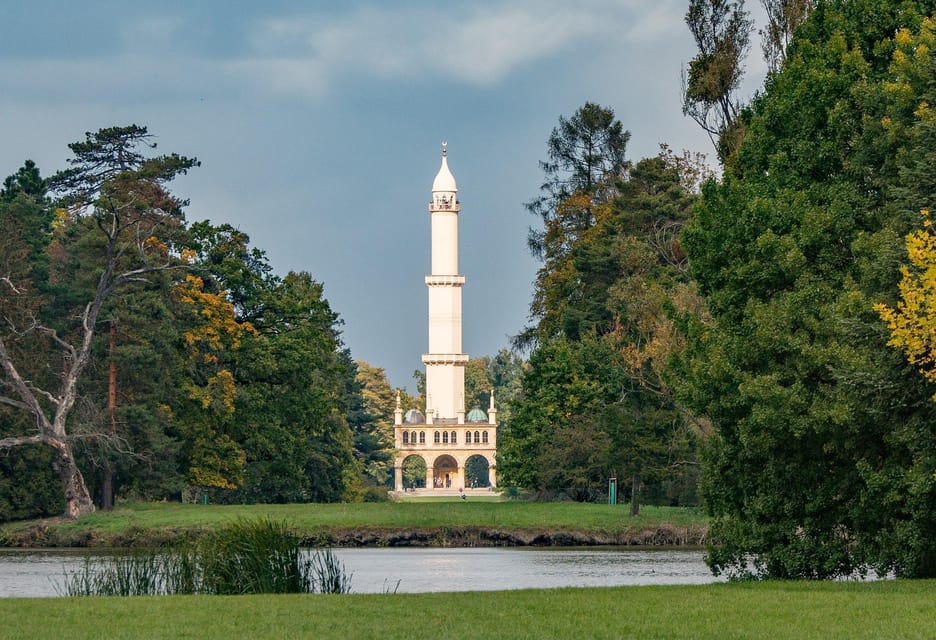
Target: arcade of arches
column 445, row 471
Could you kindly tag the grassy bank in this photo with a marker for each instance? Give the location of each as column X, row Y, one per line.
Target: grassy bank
column 762, row 610
column 455, row 523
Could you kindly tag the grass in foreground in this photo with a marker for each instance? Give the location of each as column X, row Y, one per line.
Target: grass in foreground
column 529, row 516
column 894, row 609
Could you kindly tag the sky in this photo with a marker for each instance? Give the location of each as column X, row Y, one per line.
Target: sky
column 319, row 127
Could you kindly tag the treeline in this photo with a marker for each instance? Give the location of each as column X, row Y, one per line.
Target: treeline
column 595, row 402
column 753, row 321
column 145, row 357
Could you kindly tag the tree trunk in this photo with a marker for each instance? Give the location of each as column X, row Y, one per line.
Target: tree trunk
column 107, row 484
column 635, row 495
column 77, row 499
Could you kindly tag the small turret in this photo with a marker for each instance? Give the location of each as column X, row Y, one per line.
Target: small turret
column 398, row 412
column 492, row 410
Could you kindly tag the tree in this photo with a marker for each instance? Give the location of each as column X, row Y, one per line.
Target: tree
column 721, row 30
column 606, row 300
column 204, row 413
column 292, row 402
column 585, row 157
column 28, row 485
column 373, row 430
column 119, row 196
column 783, row 18
column 912, row 322
column 586, row 162
column 821, row 459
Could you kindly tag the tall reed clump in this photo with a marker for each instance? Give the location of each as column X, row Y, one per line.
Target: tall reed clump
column 246, row 556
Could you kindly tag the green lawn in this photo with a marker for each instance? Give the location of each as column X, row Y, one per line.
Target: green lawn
column 135, row 521
column 892, row 609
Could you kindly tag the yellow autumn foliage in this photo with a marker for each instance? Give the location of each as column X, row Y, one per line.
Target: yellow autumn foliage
column 218, row 329
column 913, row 323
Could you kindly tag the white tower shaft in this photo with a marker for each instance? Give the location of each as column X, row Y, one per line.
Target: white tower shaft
column 445, row 363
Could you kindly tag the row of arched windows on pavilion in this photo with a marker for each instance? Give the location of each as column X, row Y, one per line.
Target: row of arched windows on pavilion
column 445, row 437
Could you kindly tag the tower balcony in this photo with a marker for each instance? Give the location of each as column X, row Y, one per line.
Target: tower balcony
column 445, row 281
column 444, row 204
column 445, row 358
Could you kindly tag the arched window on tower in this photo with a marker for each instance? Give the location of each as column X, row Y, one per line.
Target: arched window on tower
column 454, row 438
column 435, row 438
column 484, row 438
column 477, row 437
column 406, row 437
column 445, row 437
column 467, row 437
column 422, row 437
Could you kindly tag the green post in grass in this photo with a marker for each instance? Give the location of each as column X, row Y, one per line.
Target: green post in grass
column 612, row 491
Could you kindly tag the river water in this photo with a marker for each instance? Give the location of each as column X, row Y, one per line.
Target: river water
column 419, row 570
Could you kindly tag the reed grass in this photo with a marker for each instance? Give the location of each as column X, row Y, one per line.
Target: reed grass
column 243, row 557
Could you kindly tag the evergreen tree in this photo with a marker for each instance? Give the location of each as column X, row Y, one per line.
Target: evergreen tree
column 117, row 203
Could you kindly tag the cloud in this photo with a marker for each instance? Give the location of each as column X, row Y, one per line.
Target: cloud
column 480, row 44
column 150, row 35
column 307, row 55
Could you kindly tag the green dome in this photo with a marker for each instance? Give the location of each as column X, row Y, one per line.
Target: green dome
column 477, row 415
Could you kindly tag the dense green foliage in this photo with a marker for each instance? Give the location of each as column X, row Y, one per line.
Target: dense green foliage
column 594, row 403
column 772, row 610
column 823, row 460
column 371, row 422
column 194, row 371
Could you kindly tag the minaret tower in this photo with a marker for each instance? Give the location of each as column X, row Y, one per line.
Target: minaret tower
column 454, row 447
column 445, row 362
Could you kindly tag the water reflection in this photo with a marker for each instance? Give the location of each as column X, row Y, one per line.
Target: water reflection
column 419, row 570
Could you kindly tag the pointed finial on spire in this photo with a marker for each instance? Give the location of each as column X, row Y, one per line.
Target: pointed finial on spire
column 444, row 180
column 398, row 405
column 492, row 399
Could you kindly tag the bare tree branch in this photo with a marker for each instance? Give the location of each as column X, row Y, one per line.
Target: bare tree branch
column 16, row 441
column 45, row 394
column 15, row 380
column 14, row 403
column 9, row 282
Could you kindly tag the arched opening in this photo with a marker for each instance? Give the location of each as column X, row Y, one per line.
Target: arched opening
column 477, row 437
column 484, row 437
column 414, row 472
column 406, row 437
column 445, row 472
column 467, row 437
column 413, row 437
column 422, row 437
column 445, row 437
column 477, row 472
column 454, row 438
column 435, row 438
